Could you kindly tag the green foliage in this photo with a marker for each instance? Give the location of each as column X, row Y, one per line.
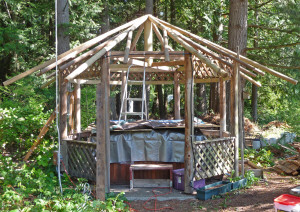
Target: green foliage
column 262, row 157
column 34, row 187
column 251, row 179
column 232, row 178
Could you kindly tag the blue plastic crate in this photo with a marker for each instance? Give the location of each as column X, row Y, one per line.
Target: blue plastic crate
column 208, row 191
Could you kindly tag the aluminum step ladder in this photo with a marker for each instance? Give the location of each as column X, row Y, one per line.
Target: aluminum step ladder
column 126, row 97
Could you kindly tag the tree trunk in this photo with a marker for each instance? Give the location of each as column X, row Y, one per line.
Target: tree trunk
column 254, row 87
column 106, row 24
column 149, row 7
column 202, row 104
column 161, row 105
column 63, row 46
column 237, row 41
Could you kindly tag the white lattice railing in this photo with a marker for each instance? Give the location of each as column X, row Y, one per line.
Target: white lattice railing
column 214, row 157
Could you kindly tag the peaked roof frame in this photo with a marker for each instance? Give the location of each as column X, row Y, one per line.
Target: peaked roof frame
column 212, row 56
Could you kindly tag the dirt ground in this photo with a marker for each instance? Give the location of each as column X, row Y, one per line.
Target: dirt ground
column 258, row 198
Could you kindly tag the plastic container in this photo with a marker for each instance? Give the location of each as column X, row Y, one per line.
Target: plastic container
column 239, row 184
column 217, row 188
column 178, row 180
column 256, row 144
column 287, row 202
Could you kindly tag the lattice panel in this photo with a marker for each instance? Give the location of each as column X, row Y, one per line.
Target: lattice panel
column 82, row 159
column 214, row 157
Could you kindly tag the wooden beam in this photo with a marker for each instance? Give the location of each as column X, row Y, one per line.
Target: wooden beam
column 51, row 75
column 175, row 55
column 100, row 149
column 108, row 47
column 77, row 92
column 227, row 52
column 176, row 96
column 210, row 44
column 235, row 80
column 137, row 37
column 166, row 44
column 222, row 107
column 258, row 84
column 148, row 39
column 102, row 124
column 205, row 50
column 245, row 71
column 188, row 152
column 40, row 137
column 71, row 114
column 170, row 63
column 72, row 52
column 121, row 67
column 84, row 56
column 190, row 49
column 127, row 49
column 46, row 84
column 158, row 35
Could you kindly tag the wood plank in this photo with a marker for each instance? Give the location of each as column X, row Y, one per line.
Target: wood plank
column 168, row 63
column 176, row 55
column 151, row 166
column 109, row 46
column 149, row 183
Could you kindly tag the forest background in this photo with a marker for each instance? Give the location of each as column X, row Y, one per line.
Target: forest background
column 27, row 38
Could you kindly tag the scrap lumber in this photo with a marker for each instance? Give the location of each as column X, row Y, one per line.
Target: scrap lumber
column 41, row 135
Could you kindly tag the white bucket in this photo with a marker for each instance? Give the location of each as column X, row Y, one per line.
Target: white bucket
column 256, row 144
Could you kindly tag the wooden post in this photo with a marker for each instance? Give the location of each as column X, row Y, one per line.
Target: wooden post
column 222, row 107
column 235, row 114
column 148, row 46
column 63, row 122
column 71, row 114
column 188, row 151
column 103, row 134
column 123, row 78
column 176, row 96
column 77, row 92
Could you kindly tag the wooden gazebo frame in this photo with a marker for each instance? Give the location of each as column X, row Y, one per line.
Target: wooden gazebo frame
column 202, row 61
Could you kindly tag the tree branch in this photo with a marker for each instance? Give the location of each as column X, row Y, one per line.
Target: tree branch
column 280, row 66
column 273, row 47
column 273, row 29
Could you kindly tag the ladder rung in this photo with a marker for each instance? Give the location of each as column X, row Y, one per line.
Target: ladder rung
column 135, row 99
column 133, row 113
column 134, row 82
